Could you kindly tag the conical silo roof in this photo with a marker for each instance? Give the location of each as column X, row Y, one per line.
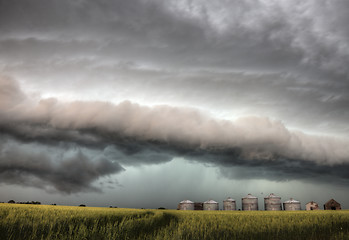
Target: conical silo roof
column 292, row 201
column 272, row 195
column 250, row 196
column 210, row 201
column 229, row 199
column 186, row 201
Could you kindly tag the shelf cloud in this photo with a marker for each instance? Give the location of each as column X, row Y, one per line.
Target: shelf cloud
column 133, row 134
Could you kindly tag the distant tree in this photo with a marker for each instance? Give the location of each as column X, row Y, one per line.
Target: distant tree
column 11, row 201
column 27, row 202
column 53, row 204
column 82, row 205
column 161, row 208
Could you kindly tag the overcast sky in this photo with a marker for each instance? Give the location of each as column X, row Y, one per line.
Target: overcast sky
column 145, row 103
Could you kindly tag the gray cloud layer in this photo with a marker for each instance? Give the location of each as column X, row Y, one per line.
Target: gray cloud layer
column 185, row 127
column 248, row 34
column 285, row 60
column 134, row 134
column 67, row 175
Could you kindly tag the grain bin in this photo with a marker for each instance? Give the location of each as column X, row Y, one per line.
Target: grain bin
column 292, row 205
column 186, row 205
column 211, row 205
column 229, row 204
column 249, row 203
column 272, row 203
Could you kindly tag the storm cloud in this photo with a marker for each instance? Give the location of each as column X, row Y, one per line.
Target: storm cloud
column 133, row 134
column 280, row 59
column 51, row 171
column 271, row 35
column 256, row 88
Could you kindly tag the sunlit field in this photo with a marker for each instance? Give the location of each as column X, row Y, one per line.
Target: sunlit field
column 62, row 222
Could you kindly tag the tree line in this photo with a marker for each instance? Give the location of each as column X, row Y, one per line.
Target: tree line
column 28, row 202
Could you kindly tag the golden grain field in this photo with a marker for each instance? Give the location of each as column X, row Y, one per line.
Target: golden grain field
column 63, row 222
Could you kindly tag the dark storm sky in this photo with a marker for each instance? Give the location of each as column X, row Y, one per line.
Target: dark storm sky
column 102, row 100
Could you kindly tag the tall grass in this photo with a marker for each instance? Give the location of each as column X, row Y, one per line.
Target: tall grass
column 60, row 222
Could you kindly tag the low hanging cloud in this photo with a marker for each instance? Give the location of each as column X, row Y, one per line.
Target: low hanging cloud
column 67, row 175
column 132, row 134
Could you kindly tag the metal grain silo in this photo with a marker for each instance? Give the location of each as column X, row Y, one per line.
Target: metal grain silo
column 249, row 203
column 292, row 205
column 229, row 204
column 272, row 203
column 211, row 205
column 186, row 205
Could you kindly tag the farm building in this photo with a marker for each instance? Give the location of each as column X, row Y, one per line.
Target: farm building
column 292, row 205
column 272, row 203
column 211, row 205
column 332, row 205
column 199, row 206
column 186, row 205
column 249, row 203
column 311, row 206
column 229, row 204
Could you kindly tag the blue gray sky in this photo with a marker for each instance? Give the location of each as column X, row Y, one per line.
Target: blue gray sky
column 145, row 103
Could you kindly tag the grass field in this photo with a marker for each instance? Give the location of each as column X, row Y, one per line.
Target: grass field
column 62, row 222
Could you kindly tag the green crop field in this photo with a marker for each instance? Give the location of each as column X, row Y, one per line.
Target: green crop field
column 61, row 222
